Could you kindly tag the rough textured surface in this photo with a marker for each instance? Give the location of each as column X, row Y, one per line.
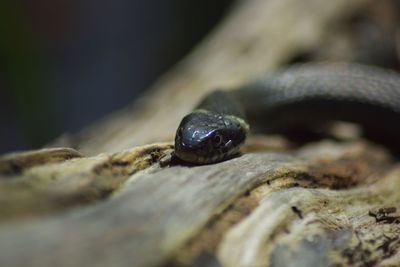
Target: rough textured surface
column 281, row 200
column 326, row 203
column 51, row 180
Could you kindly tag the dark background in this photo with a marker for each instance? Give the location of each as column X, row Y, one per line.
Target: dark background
column 66, row 63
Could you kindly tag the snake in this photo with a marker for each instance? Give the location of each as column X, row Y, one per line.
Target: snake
column 302, row 97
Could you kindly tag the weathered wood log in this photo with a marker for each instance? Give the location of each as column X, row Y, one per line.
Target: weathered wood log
column 324, row 204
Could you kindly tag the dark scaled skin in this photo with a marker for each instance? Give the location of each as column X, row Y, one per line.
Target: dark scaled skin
column 207, row 137
column 302, row 97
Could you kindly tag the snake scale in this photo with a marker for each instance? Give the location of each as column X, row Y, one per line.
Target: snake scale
column 300, row 97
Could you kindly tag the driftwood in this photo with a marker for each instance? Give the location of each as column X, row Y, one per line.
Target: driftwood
column 119, row 202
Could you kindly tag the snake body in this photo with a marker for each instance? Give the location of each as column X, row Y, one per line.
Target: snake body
column 301, row 97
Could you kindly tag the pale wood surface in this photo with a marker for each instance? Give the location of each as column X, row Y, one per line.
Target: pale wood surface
column 114, row 204
column 158, row 211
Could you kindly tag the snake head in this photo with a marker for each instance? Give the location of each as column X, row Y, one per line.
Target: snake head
column 206, row 137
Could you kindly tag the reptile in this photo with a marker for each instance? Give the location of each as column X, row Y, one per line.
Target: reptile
column 302, row 97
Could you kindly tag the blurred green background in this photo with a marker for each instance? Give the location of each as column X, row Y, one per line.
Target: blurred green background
column 66, row 63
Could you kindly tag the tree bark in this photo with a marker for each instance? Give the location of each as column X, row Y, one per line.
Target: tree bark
column 119, row 202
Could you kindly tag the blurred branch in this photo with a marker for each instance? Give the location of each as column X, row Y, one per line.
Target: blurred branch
column 255, row 37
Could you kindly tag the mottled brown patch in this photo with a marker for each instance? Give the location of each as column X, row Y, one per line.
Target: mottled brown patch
column 297, row 211
column 385, row 215
column 64, row 185
column 348, row 171
column 206, row 242
column 127, row 163
column 15, row 163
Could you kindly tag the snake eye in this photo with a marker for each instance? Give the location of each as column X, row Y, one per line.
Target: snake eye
column 217, row 140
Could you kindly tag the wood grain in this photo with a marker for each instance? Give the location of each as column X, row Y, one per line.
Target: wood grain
column 160, row 210
column 117, row 202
